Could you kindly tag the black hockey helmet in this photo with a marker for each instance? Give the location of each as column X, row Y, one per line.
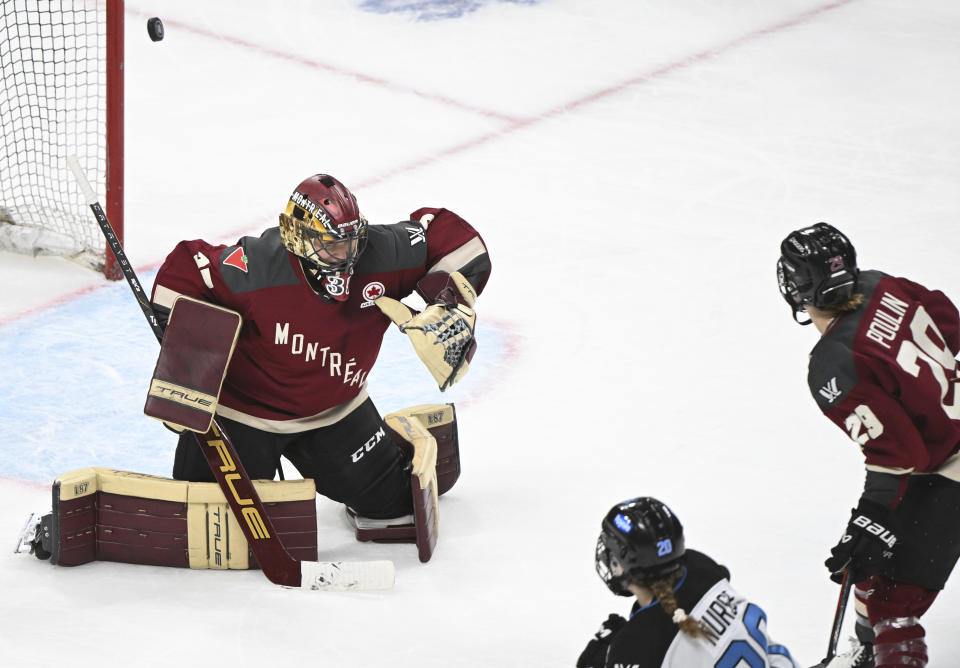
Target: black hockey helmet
column 817, row 267
column 641, row 540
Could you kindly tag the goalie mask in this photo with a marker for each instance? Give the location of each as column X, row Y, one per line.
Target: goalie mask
column 641, row 540
column 817, row 267
column 322, row 225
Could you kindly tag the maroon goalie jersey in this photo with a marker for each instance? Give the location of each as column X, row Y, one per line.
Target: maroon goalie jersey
column 887, row 374
column 302, row 361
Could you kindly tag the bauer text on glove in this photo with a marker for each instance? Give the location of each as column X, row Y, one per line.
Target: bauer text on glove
column 867, row 545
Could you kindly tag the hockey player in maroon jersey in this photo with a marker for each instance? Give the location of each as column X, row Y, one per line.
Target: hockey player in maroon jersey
column 885, row 371
column 316, row 295
column 686, row 613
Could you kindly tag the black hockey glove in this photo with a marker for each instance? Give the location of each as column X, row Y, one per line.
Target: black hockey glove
column 595, row 653
column 867, row 544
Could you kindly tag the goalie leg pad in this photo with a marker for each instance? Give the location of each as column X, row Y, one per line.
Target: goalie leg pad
column 441, row 421
column 194, row 354
column 423, row 481
column 102, row 514
column 423, row 527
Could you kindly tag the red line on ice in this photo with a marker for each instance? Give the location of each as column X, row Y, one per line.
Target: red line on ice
column 609, row 91
column 514, row 123
column 316, row 64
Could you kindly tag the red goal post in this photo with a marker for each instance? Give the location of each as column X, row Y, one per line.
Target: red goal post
column 61, row 93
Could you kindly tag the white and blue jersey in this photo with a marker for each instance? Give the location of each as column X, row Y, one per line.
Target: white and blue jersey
column 736, row 628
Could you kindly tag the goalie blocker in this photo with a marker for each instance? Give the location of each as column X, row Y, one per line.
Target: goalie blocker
column 197, row 345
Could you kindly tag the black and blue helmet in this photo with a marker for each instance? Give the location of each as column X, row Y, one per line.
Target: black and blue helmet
column 641, row 540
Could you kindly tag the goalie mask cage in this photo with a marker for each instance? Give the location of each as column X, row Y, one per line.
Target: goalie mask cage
column 61, row 64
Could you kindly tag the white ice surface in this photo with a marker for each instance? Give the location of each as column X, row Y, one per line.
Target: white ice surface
column 632, row 167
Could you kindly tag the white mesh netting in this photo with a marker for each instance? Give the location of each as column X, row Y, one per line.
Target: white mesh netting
column 52, row 104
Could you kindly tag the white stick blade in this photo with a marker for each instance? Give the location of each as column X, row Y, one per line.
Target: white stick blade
column 88, row 194
column 346, row 576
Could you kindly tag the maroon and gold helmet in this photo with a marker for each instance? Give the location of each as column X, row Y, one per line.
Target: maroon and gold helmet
column 322, row 224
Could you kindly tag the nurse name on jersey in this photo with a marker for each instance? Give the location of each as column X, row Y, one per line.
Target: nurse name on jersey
column 719, row 615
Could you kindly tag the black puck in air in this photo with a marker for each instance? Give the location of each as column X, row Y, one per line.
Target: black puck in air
column 155, row 29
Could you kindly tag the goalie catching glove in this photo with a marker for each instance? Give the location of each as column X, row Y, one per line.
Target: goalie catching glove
column 442, row 334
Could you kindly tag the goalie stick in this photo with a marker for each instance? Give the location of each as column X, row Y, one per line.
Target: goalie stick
column 275, row 562
column 845, row 587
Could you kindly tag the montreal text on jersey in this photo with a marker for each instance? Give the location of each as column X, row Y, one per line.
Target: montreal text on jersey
column 332, row 360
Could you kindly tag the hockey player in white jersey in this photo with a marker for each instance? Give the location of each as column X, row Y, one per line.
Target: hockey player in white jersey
column 686, row 614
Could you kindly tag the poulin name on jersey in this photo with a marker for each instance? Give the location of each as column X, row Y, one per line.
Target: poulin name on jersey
column 334, row 361
column 886, row 323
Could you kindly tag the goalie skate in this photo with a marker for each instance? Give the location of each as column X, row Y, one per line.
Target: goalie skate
column 28, row 534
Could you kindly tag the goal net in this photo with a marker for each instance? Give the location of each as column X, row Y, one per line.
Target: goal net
column 61, row 94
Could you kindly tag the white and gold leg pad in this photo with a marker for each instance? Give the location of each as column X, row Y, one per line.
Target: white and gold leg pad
column 423, row 527
column 441, row 421
column 109, row 515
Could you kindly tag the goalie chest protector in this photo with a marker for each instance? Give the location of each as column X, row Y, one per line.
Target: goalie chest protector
column 197, row 346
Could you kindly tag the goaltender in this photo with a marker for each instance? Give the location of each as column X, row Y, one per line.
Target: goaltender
column 312, row 299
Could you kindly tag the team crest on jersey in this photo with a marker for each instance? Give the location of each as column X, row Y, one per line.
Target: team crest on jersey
column 831, row 390
column 237, row 259
column 371, row 291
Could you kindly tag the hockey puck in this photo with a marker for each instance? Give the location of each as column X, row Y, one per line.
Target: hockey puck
column 155, row 29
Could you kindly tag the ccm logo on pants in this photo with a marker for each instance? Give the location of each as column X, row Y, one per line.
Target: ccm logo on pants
column 368, row 446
